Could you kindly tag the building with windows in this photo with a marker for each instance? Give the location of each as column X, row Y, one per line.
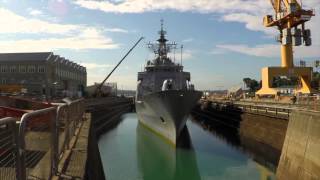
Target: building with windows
column 42, row 73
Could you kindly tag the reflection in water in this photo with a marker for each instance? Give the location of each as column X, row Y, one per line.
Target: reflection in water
column 130, row 151
column 159, row 160
column 261, row 153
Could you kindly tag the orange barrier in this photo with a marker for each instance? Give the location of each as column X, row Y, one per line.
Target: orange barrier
column 22, row 103
column 16, row 107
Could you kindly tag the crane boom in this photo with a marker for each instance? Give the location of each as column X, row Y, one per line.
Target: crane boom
column 282, row 5
column 288, row 14
column 98, row 90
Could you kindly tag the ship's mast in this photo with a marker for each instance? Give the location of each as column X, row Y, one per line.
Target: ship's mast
column 162, row 48
column 162, row 51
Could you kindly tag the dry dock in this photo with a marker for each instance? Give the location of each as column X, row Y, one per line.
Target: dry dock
column 60, row 141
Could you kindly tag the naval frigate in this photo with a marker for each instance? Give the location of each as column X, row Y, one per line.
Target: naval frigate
column 165, row 95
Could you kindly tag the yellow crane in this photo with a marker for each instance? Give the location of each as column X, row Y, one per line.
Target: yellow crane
column 290, row 20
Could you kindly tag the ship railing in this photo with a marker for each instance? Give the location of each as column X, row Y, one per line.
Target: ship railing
column 33, row 146
column 8, row 149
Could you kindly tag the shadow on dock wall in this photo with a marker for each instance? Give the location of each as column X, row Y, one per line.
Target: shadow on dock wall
column 264, row 136
column 300, row 158
column 260, row 136
column 106, row 113
column 94, row 167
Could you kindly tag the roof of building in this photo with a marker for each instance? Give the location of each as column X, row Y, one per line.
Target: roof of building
column 38, row 56
column 34, row 56
column 235, row 89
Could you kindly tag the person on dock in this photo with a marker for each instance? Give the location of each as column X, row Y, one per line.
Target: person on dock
column 294, row 99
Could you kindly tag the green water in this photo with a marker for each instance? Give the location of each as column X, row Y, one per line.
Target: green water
column 129, row 151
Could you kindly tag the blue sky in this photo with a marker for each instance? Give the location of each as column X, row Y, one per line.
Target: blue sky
column 224, row 41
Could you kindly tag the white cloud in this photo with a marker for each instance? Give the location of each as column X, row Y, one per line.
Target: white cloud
column 13, row 23
column 187, row 40
column 117, row 30
column 95, row 66
column 266, row 50
column 248, row 12
column 252, row 22
column 35, row 12
column 203, row 6
column 217, row 51
column 88, row 39
column 269, row 50
column 75, row 37
column 273, row 50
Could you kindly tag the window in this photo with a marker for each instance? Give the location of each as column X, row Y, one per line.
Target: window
column 41, row 69
column 22, row 68
column 13, row 69
column 31, row 69
column 4, row 69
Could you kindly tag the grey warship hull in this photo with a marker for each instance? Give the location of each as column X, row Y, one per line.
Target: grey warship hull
column 166, row 112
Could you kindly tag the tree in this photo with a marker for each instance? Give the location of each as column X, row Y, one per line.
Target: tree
column 315, row 82
column 252, row 84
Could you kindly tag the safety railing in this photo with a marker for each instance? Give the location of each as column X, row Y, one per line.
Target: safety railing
column 8, row 149
column 62, row 135
column 280, row 112
column 37, row 134
column 68, row 119
column 33, row 146
column 274, row 111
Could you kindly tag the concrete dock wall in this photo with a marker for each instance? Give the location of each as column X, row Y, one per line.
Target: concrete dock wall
column 269, row 130
column 94, row 167
column 300, row 158
column 264, row 129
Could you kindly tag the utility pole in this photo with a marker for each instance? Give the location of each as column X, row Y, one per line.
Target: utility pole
column 181, row 55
